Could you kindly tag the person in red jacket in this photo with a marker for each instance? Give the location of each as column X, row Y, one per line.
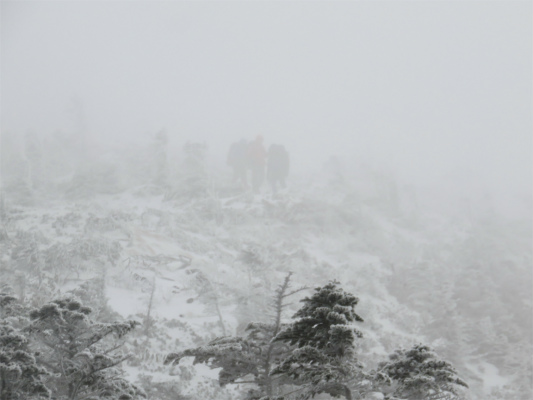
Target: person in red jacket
column 257, row 160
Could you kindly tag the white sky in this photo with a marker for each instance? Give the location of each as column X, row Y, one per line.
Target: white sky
column 428, row 89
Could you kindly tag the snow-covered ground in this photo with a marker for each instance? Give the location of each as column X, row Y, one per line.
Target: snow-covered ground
column 205, row 265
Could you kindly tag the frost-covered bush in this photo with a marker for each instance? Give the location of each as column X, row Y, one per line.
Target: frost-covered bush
column 102, row 224
column 95, row 178
column 166, row 390
column 83, row 355
column 68, row 220
column 80, row 253
column 419, row 373
column 21, row 377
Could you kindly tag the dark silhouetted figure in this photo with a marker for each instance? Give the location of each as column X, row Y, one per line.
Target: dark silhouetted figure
column 256, row 160
column 277, row 166
column 238, row 160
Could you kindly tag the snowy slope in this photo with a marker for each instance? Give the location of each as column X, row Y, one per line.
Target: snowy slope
column 206, row 265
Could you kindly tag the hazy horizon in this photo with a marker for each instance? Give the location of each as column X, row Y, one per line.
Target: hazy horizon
column 433, row 91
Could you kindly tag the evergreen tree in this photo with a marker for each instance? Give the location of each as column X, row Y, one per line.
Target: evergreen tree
column 9, row 307
column 419, row 374
column 324, row 360
column 82, row 354
column 254, row 355
column 21, row 377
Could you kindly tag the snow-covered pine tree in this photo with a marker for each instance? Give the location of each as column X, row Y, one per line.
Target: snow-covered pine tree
column 21, row 377
column 324, row 360
column 264, row 335
column 82, row 354
column 254, row 355
column 237, row 356
column 9, row 306
column 418, row 373
column 208, row 293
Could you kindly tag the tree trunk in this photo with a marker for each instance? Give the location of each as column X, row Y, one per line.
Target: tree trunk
column 147, row 319
column 4, row 392
column 347, row 393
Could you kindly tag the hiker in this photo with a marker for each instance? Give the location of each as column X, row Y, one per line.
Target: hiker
column 238, row 160
column 277, row 166
column 256, row 160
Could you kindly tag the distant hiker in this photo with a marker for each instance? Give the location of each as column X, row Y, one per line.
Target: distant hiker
column 277, row 166
column 256, row 159
column 238, row 160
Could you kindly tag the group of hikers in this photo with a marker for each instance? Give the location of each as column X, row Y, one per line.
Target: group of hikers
column 244, row 156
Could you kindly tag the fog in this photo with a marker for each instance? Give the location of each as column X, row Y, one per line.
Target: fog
column 128, row 199
column 438, row 93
